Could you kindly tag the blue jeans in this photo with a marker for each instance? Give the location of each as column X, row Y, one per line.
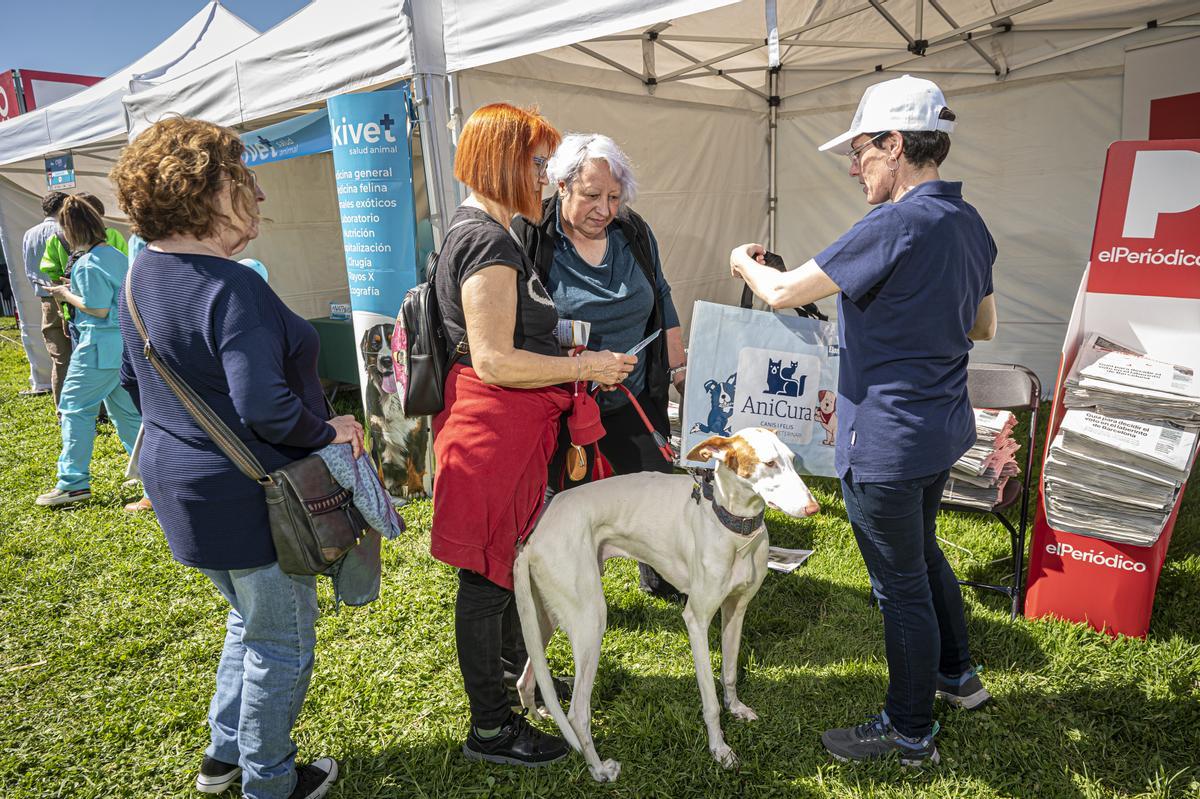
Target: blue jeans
column 924, row 628
column 263, row 675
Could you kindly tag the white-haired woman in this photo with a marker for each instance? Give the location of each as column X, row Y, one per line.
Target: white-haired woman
column 600, row 262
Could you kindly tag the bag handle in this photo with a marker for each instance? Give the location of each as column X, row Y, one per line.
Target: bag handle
column 233, row 447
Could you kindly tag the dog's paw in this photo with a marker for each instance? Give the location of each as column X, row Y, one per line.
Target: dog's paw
column 742, row 712
column 541, row 711
column 725, row 756
column 608, row 771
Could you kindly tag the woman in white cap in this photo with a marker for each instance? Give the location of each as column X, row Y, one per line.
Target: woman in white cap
column 914, row 285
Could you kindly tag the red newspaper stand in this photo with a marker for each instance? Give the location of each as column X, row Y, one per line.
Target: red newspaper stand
column 1141, row 288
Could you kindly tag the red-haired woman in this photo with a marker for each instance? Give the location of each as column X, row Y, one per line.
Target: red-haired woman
column 504, row 398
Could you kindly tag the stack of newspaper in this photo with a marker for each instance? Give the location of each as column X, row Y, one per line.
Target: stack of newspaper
column 977, row 480
column 1118, row 381
column 1125, row 447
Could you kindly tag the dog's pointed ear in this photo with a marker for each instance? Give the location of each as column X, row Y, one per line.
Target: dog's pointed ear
column 718, row 447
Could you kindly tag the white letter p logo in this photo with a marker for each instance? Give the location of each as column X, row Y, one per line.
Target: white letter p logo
column 1164, row 182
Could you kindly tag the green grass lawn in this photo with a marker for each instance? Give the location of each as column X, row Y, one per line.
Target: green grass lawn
column 109, row 650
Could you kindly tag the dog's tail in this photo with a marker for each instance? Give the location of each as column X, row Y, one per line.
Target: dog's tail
column 535, row 647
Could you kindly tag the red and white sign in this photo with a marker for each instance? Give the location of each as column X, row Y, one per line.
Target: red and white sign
column 1141, row 288
column 1146, row 241
column 23, row 90
column 9, row 104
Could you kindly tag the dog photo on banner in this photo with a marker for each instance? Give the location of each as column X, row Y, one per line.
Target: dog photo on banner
column 750, row 368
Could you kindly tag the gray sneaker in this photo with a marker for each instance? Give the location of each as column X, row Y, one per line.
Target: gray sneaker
column 966, row 691
column 56, row 496
column 876, row 739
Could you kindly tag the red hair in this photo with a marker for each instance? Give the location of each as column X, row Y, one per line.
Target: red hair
column 494, row 152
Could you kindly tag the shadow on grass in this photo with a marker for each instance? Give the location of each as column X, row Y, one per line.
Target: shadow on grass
column 1036, row 744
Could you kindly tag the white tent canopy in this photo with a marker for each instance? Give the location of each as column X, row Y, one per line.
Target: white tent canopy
column 721, row 105
column 96, row 114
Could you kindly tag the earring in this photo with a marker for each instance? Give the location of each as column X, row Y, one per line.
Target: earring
column 891, row 168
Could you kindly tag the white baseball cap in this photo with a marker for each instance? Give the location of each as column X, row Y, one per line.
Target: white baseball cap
column 904, row 103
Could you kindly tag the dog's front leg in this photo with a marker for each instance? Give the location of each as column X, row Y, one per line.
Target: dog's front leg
column 697, row 620
column 733, row 611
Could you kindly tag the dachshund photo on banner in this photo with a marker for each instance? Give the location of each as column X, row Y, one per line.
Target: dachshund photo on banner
column 398, row 444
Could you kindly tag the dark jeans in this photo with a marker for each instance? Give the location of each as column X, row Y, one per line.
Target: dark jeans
column 629, row 448
column 487, row 632
column 924, row 629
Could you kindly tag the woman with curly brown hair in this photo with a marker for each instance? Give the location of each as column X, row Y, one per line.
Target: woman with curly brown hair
column 93, row 375
column 254, row 362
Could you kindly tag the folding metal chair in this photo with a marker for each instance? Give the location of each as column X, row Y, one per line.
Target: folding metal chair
column 1007, row 386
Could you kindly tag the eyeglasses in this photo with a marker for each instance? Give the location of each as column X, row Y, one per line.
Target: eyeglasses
column 855, row 154
column 540, row 163
column 253, row 179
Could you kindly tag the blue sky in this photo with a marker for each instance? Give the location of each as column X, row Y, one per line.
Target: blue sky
column 98, row 37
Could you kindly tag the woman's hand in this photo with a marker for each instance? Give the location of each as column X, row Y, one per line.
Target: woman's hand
column 347, row 430
column 58, row 291
column 744, row 254
column 607, row 368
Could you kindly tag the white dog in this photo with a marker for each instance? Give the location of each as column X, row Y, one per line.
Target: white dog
column 713, row 549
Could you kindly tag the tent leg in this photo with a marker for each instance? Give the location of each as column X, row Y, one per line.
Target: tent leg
column 431, row 93
column 772, row 158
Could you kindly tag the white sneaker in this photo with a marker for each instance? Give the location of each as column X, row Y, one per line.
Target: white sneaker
column 57, row 496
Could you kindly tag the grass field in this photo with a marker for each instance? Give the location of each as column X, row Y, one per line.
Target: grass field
column 108, row 650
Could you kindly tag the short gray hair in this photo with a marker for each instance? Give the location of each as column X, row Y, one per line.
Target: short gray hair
column 579, row 148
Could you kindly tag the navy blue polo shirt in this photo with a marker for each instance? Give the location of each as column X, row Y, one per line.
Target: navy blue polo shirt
column 912, row 274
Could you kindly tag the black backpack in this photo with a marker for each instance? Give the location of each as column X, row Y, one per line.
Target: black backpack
column 422, row 355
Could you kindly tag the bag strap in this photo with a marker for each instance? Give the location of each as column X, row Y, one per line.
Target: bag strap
column 461, row 348
column 233, row 447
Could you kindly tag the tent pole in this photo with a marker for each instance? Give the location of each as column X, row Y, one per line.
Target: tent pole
column 433, row 115
column 772, row 157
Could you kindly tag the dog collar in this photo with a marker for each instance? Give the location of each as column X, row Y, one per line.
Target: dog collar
column 742, row 525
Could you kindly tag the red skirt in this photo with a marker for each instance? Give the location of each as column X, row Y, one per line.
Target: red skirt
column 493, row 446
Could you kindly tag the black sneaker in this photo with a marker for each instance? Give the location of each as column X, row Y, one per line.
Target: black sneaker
column 966, row 691
column 216, row 776
column 315, row 779
column 877, row 738
column 519, row 743
column 561, row 687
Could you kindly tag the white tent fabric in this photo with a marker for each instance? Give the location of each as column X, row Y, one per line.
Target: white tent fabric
column 95, row 114
column 325, row 48
column 17, row 215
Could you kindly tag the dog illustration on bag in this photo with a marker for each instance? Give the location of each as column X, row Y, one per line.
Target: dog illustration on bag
column 827, row 415
column 783, row 381
column 720, row 410
column 397, row 443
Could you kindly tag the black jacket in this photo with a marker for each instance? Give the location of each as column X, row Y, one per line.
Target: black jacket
column 539, row 241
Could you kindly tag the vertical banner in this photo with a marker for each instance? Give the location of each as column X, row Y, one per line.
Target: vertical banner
column 751, row 368
column 60, row 172
column 372, row 160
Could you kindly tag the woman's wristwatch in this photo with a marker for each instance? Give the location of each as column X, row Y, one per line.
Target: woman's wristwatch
column 674, row 370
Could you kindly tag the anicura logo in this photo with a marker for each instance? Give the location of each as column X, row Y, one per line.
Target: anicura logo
column 1096, row 557
column 360, row 132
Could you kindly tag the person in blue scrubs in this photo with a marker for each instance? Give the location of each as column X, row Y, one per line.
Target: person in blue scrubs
column 914, row 285
column 94, row 375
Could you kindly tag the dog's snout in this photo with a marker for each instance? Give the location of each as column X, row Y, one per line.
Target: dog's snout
column 385, row 362
column 812, row 508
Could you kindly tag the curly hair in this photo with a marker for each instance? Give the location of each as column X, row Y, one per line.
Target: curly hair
column 167, row 179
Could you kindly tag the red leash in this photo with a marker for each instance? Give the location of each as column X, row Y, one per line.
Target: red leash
column 664, row 447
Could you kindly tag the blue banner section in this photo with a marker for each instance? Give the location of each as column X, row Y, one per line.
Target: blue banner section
column 373, row 167
column 60, row 172
column 304, row 135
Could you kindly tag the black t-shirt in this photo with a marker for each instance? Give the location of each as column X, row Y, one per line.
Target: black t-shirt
column 478, row 242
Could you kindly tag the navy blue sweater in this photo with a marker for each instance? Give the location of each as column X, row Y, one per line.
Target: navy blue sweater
column 230, row 338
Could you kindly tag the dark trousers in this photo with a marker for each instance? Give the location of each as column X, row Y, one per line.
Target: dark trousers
column 629, row 448
column 924, row 628
column 487, row 632
column 54, row 332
